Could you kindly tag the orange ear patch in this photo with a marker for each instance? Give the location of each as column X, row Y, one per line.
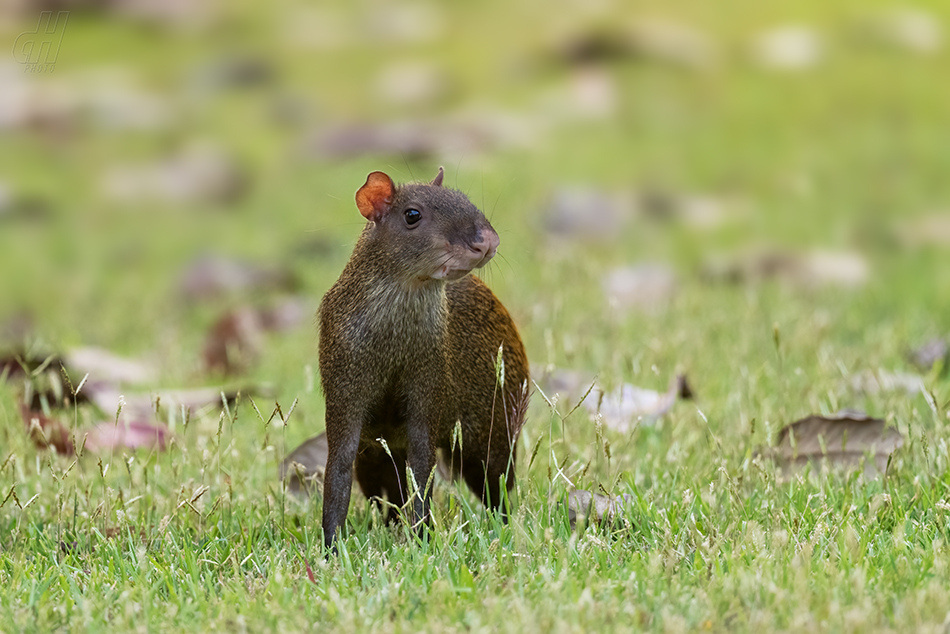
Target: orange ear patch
column 375, row 196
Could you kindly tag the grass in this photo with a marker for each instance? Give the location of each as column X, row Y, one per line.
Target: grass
column 202, row 537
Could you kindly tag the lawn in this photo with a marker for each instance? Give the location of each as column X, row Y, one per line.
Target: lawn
column 709, row 139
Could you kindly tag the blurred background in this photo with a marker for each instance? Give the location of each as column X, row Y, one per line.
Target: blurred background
column 672, row 181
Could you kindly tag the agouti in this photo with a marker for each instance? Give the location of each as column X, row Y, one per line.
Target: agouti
column 409, row 345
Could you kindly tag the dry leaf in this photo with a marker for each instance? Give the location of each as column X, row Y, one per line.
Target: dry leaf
column 875, row 381
column 240, row 71
column 815, row 269
column 15, row 332
column 590, row 92
column 907, row 28
column 791, row 47
column 411, row 139
column 187, row 15
column 234, row 341
column 414, row 84
column 699, row 211
column 647, row 287
column 842, row 440
column 590, row 44
column 587, row 213
column 46, row 432
column 287, row 313
column 409, row 22
column 473, row 130
column 304, row 467
column 128, row 435
column 594, row 506
column 211, row 276
column 933, row 230
column 113, row 99
column 199, row 173
column 142, row 405
column 674, row 43
column 623, row 408
column 649, row 39
column 570, row 385
column 930, row 353
column 103, row 365
column 14, row 207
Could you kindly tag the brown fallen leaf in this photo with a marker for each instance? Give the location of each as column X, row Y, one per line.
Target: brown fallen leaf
column 472, row 130
column 18, row 361
column 303, row 468
column 815, row 269
column 409, row 139
column 649, row 39
column 234, row 342
column 15, row 207
column 590, row 44
column 584, row 505
column 842, row 440
column 622, row 409
column 695, row 210
column 44, row 382
column 233, row 72
column 236, row 339
column 47, row 432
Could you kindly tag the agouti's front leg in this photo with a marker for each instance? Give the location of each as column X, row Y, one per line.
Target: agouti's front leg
column 343, row 439
column 421, row 460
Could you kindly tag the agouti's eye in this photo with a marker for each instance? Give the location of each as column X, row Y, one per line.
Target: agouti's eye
column 412, row 216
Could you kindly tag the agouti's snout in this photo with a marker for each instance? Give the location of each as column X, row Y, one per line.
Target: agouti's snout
column 486, row 246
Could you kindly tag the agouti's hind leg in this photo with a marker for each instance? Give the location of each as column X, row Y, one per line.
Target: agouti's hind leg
column 382, row 477
column 486, row 482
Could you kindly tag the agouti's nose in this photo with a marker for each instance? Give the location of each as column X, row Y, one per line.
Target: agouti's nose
column 486, row 245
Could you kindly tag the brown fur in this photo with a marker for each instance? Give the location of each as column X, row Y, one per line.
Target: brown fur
column 404, row 356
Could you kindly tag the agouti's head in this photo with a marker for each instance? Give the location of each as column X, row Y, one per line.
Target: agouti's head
column 436, row 232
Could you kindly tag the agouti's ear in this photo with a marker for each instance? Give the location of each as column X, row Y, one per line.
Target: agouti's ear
column 437, row 181
column 375, row 196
